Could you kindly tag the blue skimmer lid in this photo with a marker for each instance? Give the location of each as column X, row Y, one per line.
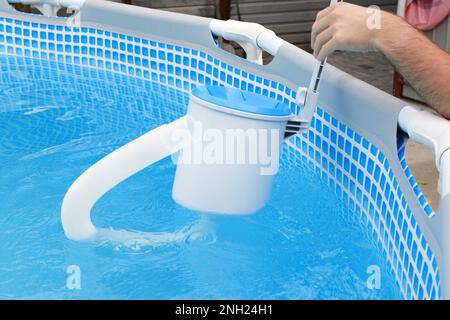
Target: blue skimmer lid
column 243, row 101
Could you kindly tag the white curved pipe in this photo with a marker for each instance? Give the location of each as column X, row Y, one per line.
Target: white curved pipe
column 110, row 171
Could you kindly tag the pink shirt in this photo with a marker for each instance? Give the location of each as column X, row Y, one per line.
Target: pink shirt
column 426, row 14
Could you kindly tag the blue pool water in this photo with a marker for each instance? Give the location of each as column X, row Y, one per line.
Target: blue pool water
column 56, row 121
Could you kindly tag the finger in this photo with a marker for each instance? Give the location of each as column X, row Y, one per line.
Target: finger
column 321, row 39
column 328, row 48
column 318, row 27
column 324, row 12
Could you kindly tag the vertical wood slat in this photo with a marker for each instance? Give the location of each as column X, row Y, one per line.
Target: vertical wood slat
column 224, row 9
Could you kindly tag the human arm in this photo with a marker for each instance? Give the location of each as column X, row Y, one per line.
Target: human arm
column 423, row 64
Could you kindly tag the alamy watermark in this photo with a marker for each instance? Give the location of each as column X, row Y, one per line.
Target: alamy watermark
column 374, row 280
column 74, row 20
column 374, row 20
column 73, row 280
column 238, row 146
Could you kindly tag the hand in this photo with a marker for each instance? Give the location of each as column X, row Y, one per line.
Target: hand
column 349, row 27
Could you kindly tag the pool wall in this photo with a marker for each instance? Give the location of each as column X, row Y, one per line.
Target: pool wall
column 354, row 142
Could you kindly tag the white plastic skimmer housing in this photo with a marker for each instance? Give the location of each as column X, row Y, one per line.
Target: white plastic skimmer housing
column 230, row 141
column 234, row 152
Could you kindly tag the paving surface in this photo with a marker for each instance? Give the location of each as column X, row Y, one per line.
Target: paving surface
column 376, row 70
column 370, row 67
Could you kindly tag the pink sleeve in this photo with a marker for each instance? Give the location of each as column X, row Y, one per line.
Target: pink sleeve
column 427, row 14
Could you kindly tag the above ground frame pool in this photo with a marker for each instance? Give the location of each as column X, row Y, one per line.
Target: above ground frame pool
column 77, row 88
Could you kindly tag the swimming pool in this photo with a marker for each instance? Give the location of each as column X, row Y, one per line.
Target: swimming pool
column 72, row 94
column 52, row 132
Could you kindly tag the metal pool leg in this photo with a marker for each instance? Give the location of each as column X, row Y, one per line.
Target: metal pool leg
column 113, row 169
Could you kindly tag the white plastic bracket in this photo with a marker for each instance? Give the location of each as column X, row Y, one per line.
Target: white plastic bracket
column 253, row 37
column 426, row 127
column 307, row 97
column 50, row 7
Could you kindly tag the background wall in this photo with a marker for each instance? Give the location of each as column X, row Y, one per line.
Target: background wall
column 291, row 20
